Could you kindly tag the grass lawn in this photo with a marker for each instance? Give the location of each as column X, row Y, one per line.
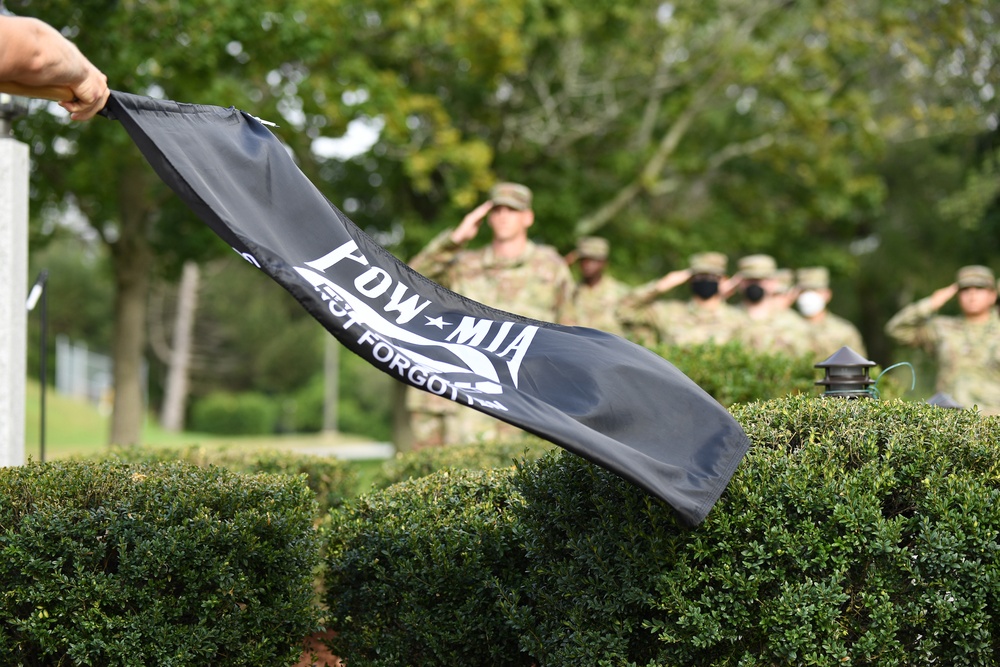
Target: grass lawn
column 74, row 427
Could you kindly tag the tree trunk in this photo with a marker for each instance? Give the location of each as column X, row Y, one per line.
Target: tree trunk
column 131, row 258
column 651, row 172
column 402, row 434
column 176, row 390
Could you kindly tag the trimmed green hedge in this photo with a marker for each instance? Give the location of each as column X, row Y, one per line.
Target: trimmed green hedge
column 480, row 456
column 733, row 374
column 112, row 564
column 854, row 533
column 226, row 413
column 331, row 479
column 411, row 572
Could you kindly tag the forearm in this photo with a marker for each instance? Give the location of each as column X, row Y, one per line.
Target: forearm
column 35, row 54
column 912, row 325
column 641, row 296
column 433, row 261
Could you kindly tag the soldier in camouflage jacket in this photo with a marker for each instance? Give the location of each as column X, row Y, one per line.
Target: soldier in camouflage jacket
column 967, row 347
column 513, row 274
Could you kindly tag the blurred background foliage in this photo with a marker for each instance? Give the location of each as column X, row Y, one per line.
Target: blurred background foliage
column 861, row 136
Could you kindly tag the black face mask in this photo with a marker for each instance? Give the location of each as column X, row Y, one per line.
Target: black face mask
column 704, row 289
column 753, row 293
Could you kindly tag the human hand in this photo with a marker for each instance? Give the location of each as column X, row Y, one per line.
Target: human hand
column 473, row 220
column 672, row 280
column 787, row 300
column 36, row 56
column 943, row 295
column 90, row 94
column 728, row 286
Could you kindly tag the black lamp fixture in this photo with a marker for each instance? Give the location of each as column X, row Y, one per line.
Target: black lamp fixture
column 846, row 375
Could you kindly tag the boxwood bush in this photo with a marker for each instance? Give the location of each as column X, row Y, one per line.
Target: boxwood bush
column 412, row 571
column 733, row 374
column 854, row 533
column 331, row 479
column 226, row 413
column 480, row 456
column 116, row 564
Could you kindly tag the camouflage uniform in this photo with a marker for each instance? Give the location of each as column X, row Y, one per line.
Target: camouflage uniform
column 691, row 324
column 675, row 322
column 597, row 305
column 828, row 335
column 785, row 279
column 781, row 331
column 968, row 353
column 537, row 284
column 684, row 323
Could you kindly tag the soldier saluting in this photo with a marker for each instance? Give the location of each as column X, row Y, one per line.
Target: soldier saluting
column 598, row 294
column 704, row 318
column 512, row 273
column 967, row 347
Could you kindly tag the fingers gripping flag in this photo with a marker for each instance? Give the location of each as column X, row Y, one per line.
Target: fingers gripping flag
column 592, row 393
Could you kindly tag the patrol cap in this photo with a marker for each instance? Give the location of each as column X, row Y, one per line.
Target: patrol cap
column 711, row 263
column 757, row 267
column 813, row 278
column 592, row 247
column 976, row 276
column 513, row 195
column 785, row 278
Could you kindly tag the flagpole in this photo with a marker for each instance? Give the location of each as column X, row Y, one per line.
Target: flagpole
column 53, row 93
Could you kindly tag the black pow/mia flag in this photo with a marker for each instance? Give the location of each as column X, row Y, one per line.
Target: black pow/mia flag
column 597, row 395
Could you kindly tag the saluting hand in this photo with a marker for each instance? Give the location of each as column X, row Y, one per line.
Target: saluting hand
column 787, row 300
column 469, row 227
column 943, row 295
column 672, row 280
column 728, row 286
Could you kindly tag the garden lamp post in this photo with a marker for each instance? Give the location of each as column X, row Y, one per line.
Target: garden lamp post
column 11, row 107
column 38, row 291
column 846, row 374
column 14, row 281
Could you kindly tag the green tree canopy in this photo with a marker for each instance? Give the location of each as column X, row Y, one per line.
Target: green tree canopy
column 221, row 52
column 669, row 127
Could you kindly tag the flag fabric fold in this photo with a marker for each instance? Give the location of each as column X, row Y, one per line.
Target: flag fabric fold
column 599, row 396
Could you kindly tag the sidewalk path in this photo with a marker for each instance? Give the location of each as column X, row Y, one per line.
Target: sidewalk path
column 356, row 451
